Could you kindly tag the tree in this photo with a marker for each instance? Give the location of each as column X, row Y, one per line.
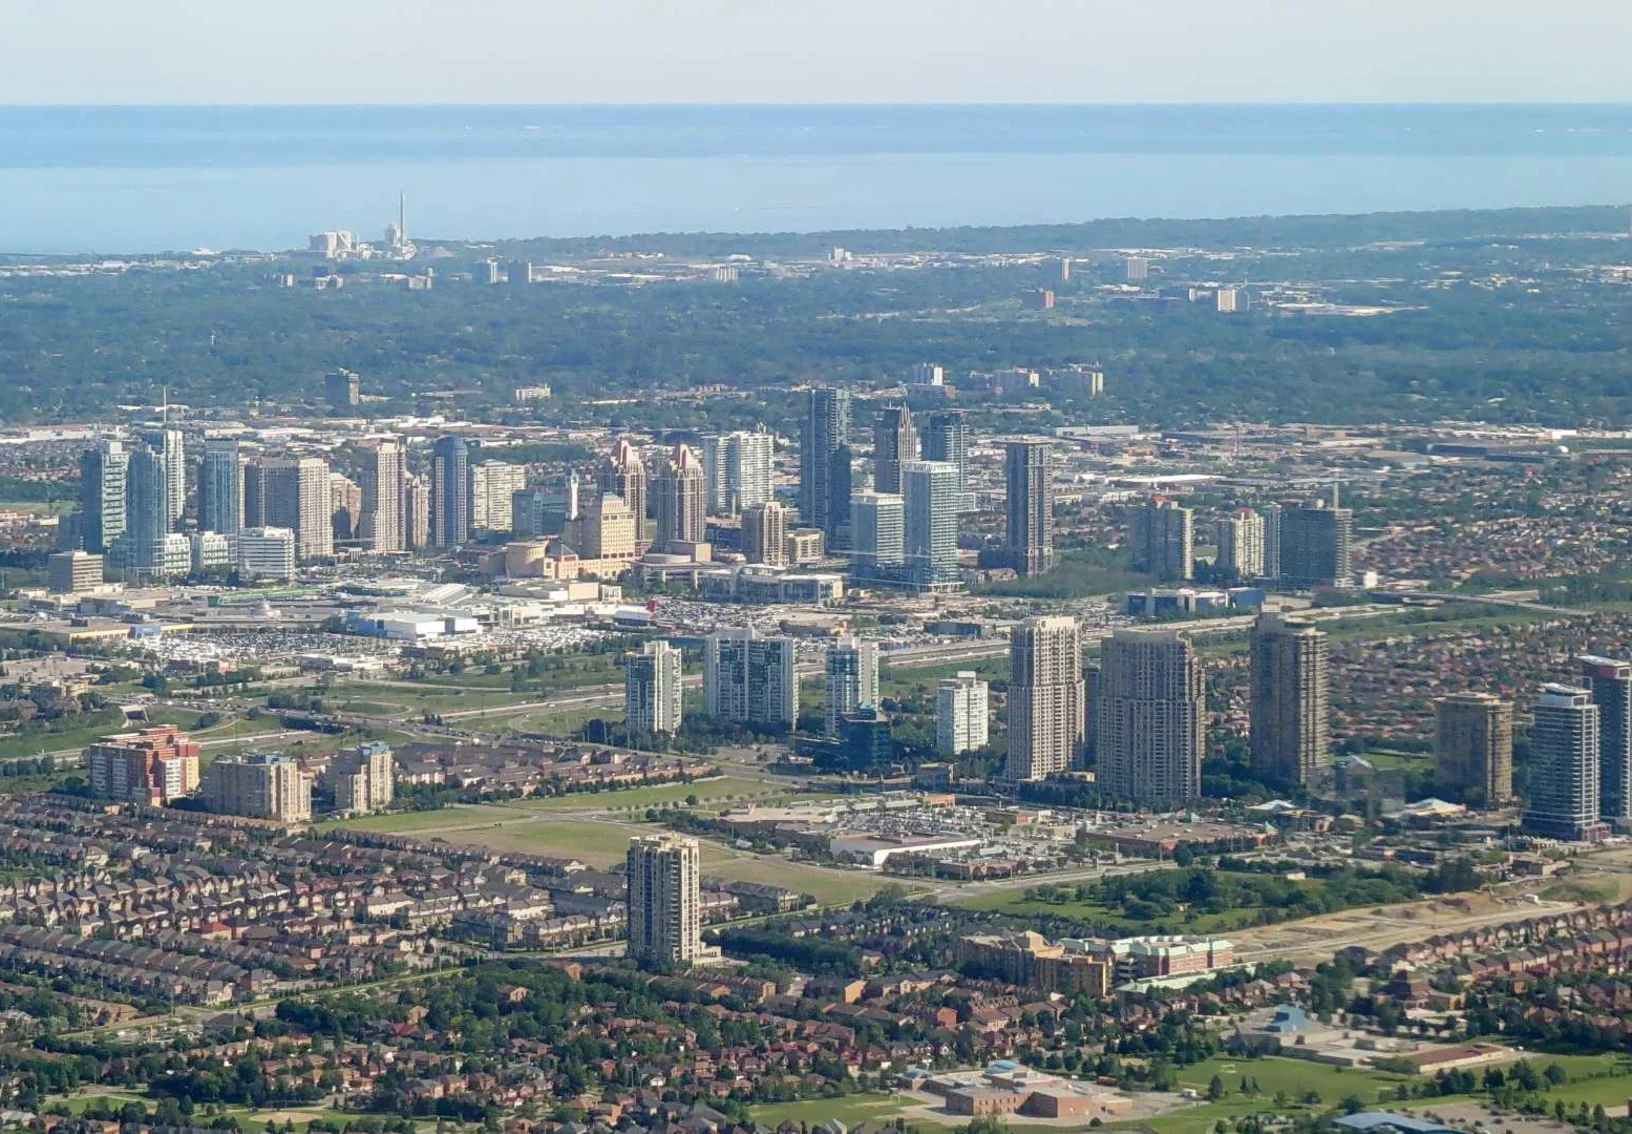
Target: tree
column 1555, row 1075
column 1215, row 1088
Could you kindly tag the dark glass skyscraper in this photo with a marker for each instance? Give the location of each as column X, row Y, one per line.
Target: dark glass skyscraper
column 450, row 492
column 1030, row 507
column 824, row 465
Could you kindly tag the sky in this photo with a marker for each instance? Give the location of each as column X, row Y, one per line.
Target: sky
column 811, row 51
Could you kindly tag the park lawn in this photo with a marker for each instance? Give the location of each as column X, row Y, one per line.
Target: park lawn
column 598, row 844
column 706, row 791
column 417, row 822
column 564, row 724
column 1296, row 1077
column 850, row 1110
column 85, row 729
column 829, row 885
column 79, row 1104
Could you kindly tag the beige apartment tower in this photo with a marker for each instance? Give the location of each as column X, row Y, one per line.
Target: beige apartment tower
column 1473, row 748
column 1046, row 698
column 365, row 779
column 259, row 786
column 1290, row 735
column 385, row 469
column 1150, row 717
column 664, row 898
column 765, row 533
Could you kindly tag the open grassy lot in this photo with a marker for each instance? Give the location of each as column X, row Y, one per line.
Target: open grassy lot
column 718, row 792
column 594, row 842
column 813, row 1112
column 421, row 822
column 81, row 731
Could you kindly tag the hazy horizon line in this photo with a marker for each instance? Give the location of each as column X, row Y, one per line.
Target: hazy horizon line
column 925, row 105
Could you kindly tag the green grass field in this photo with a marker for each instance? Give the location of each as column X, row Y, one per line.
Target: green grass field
column 850, row 1110
column 598, row 844
column 719, row 791
column 415, row 822
column 84, row 730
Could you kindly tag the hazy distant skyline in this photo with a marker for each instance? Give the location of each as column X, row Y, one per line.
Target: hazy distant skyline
column 835, row 51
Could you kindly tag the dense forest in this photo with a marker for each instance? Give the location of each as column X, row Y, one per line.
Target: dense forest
column 1511, row 315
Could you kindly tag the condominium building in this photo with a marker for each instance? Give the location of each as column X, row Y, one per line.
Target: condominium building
column 1241, row 544
column 664, row 900
column 385, row 472
column 296, row 495
column 737, row 467
column 879, row 530
column 624, row 475
column 765, row 533
column 825, row 465
column 852, row 681
column 1290, row 737
column 1046, row 698
column 365, row 778
column 930, row 531
column 1162, row 539
column 1565, row 751
column 450, row 492
column 749, row 679
column 104, row 473
column 680, row 498
column 1272, row 514
column 946, row 438
column 170, row 445
column 652, row 691
column 1610, row 683
column 1029, row 506
column 1150, row 717
column 345, row 507
column 155, row 766
column 342, row 389
column 1317, row 546
column 259, row 785
column 221, row 487
column 141, row 549
column 895, row 441
column 962, row 716
column 1473, row 748
column 493, row 484
column 416, row 513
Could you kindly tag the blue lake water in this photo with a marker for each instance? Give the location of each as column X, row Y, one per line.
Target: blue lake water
column 148, row 179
